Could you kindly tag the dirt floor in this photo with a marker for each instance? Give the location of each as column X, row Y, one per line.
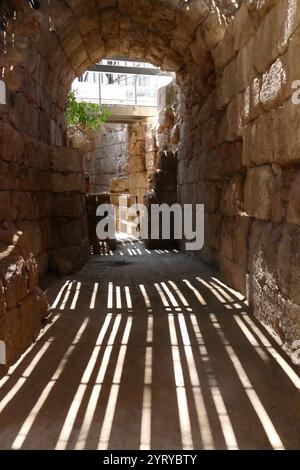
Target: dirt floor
column 149, row 350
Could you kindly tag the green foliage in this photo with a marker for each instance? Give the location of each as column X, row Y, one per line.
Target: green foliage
column 88, row 115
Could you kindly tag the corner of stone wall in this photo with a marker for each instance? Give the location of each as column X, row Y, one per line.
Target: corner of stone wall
column 23, row 306
column 69, row 239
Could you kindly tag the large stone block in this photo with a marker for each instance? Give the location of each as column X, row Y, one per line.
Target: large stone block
column 224, row 52
column 9, row 175
column 267, row 34
column 288, row 262
column 68, row 205
column 275, row 276
column 286, row 134
column 11, row 144
column 293, row 213
column 273, row 86
column 68, row 232
column 213, row 230
column 224, row 161
column 262, row 194
column 235, row 233
column 233, row 196
column 137, row 163
column 33, row 231
column 252, row 105
column 245, row 67
column 18, row 268
column 119, row 185
column 5, row 207
column 65, row 260
column 73, row 182
column 235, row 274
column 259, row 140
column 138, row 180
column 234, row 118
column 243, row 28
column 66, row 160
column 20, row 326
column 228, row 84
column 14, row 276
column 207, row 193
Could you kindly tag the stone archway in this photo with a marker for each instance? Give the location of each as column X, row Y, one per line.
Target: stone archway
column 44, row 50
column 231, row 99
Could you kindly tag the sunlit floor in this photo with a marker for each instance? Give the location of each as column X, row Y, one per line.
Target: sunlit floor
column 149, row 350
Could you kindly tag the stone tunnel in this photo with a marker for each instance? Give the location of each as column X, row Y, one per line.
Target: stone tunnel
column 217, row 328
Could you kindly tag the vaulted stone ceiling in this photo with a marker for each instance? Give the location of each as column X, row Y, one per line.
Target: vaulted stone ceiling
column 71, row 35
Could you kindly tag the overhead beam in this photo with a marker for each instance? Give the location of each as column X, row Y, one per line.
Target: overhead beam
column 122, row 69
column 123, row 114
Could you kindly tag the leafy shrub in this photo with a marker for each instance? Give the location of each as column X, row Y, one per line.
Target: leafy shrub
column 88, row 115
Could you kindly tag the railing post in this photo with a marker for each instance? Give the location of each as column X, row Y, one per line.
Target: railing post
column 135, row 93
column 100, row 91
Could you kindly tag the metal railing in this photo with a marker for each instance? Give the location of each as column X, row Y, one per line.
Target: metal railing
column 123, row 91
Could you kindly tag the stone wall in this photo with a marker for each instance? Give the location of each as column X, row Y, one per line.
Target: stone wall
column 240, row 156
column 23, row 305
column 25, row 189
column 42, row 218
column 138, row 181
column 69, row 245
column 106, row 156
column 239, row 151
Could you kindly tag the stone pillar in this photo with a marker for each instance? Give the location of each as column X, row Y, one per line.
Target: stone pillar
column 69, row 240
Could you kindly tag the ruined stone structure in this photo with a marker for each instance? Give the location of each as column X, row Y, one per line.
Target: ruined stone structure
column 238, row 128
column 106, row 156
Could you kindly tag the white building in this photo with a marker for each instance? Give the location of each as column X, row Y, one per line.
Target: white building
column 120, row 88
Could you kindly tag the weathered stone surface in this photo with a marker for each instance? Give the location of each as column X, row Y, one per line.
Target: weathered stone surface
column 11, row 144
column 119, row 185
column 66, row 160
column 261, row 193
column 233, row 196
column 272, row 91
column 259, row 143
column 73, row 182
column 234, row 251
column 214, row 29
column 68, row 205
column 105, row 155
column 22, row 305
column 293, row 213
column 286, row 135
column 224, row 161
column 224, row 52
column 274, row 277
column 228, row 84
column 252, row 104
column 65, row 260
column 245, row 67
column 243, row 28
